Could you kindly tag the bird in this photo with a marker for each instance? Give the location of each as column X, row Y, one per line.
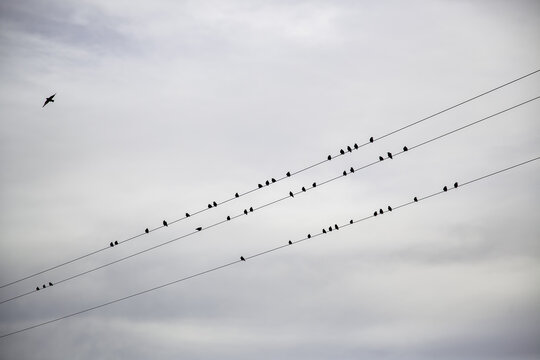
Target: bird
column 355, row 146
column 50, row 283
column 455, row 185
column 344, row 173
column 303, row 189
column 309, row 236
column 199, row 228
column 37, row 288
column 329, row 228
column 314, row 184
column 228, row 218
column 445, row 188
column 288, row 173
column 236, row 195
column 389, row 208
column 48, row 100
column 381, row 158
column 209, row 206
column 380, row 211
column 324, row 231
column 44, row 286
column 245, row 212
column 260, row 186
column 341, row 151
column 336, row 226
column 242, row 258
column 405, row 148
column 290, row 242
column 329, row 157
column 350, row 222
column 146, row 230
column 214, row 203
column 389, row 155
column 187, row 215
column 251, row 209
column 165, row 223
column 267, row 182
column 349, row 149
column 415, row 199
column 291, row 194
column 273, row 180
column 371, row 139
column 375, row 213
column 351, row 169
column 111, row 244
column 116, row 242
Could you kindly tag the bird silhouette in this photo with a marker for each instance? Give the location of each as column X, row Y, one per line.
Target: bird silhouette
column 165, row 223
column 350, row 222
column 44, row 286
column 445, row 188
column 415, row 199
column 236, row 195
column 329, row 228
column 355, row 146
column 273, row 180
column 349, row 149
column 48, row 100
column 116, row 243
column 336, row 226
column 324, row 231
column 215, row 203
column 146, row 230
column 371, row 139
column 344, row 173
column 309, row 236
column 242, row 258
column 37, row 288
column 228, row 218
column 187, row 215
column 314, row 184
column 341, row 152
column 251, row 209
column 291, row 194
column 260, row 186
column 381, row 158
column 455, row 185
column 290, row 242
column 199, row 228
column 351, row 169
column 111, row 244
column 405, row 148
column 375, row 213
column 50, row 283
column 267, row 182
column 209, row 206
column 389, row 155
column 380, row 211
column 288, row 173
column 245, row 212
column 303, row 189
column 329, row 157
column 389, row 208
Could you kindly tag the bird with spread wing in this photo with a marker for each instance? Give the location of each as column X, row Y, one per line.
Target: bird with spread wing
column 48, row 100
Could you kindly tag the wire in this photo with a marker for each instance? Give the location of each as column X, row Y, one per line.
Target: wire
column 230, row 218
column 308, row 237
column 289, row 174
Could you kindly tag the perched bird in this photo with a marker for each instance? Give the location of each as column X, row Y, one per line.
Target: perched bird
column 187, row 215
column 245, row 212
column 371, row 139
column 50, row 283
column 303, row 189
column 445, row 188
column 146, row 230
column 389, row 155
column 405, row 148
column 273, row 180
column 375, row 213
column 380, row 211
column 309, row 236
column 165, row 223
column 314, row 184
column 350, row 222
column 260, row 186
column 349, row 149
column 214, row 203
column 44, row 286
column 236, row 195
column 242, row 258
column 351, row 169
column 199, row 228
column 228, row 218
column 324, row 231
column 329, row 157
column 355, row 146
column 37, row 288
column 288, row 173
column 290, row 242
column 415, row 199
column 251, row 209
column 455, row 185
column 344, row 173
column 381, row 158
column 267, row 182
column 111, row 244
column 48, row 100
column 116, row 243
column 291, row 194
column 336, row 226
column 389, row 208
column 341, row 152
column 209, row 206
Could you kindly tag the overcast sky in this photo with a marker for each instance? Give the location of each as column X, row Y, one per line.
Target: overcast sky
column 165, row 106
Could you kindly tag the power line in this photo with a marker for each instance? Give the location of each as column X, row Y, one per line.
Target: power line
column 290, row 243
column 289, row 174
column 291, row 194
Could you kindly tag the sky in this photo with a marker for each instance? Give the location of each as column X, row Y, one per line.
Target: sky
column 162, row 107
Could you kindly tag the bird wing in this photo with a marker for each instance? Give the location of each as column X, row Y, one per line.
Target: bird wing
column 46, row 102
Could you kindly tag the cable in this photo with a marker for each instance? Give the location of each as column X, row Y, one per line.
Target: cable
column 291, row 194
column 289, row 174
column 308, row 237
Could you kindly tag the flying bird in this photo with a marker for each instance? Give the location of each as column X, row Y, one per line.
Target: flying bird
column 445, row 188
column 242, row 258
column 341, row 152
column 50, row 283
column 405, row 148
column 371, row 139
column 165, row 223
column 199, row 228
column 48, row 100
column 381, row 158
column 389, row 155
column 146, row 230
column 455, row 185
column 288, row 173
